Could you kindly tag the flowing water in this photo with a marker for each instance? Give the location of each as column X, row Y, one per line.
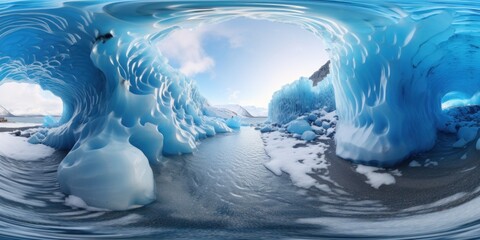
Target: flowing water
column 223, row 191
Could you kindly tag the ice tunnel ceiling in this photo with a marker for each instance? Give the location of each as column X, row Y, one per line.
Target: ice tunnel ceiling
column 392, row 64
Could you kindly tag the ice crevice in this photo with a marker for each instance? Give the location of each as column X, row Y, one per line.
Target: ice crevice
column 125, row 107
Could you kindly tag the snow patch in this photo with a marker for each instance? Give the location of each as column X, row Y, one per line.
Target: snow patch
column 20, row 149
column 375, row 179
column 76, row 202
column 298, row 162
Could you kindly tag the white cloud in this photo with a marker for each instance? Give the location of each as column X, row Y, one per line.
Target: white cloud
column 233, row 94
column 185, row 47
column 29, row 99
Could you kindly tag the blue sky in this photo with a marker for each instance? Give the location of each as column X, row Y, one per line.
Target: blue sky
column 244, row 61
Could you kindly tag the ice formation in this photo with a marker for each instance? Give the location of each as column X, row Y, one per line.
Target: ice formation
column 300, row 97
column 124, row 106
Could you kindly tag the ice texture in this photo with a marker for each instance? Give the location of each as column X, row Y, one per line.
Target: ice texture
column 298, row 126
column 391, row 65
column 300, row 97
column 308, row 135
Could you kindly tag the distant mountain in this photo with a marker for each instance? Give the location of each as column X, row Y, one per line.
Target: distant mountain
column 257, row 111
column 231, row 110
column 5, row 113
column 321, row 73
column 218, row 112
column 239, row 110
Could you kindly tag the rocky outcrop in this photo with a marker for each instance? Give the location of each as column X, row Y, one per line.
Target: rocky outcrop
column 4, row 112
column 321, row 73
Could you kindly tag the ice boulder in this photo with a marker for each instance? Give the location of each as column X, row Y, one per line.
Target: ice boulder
column 308, row 136
column 266, row 128
column 113, row 176
column 465, row 135
column 298, row 126
column 312, row 117
column 234, row 122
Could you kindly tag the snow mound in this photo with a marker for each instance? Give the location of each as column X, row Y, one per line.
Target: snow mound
column 20, row 149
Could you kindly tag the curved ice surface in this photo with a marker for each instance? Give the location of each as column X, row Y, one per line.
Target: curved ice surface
column 392, row 63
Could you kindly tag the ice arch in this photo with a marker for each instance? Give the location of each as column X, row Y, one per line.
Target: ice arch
column 124, row 106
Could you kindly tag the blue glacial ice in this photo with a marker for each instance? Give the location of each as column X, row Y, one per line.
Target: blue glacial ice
column 125, row 107
column 300, row 97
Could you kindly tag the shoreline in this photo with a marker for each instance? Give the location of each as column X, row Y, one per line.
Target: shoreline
column 3, row 129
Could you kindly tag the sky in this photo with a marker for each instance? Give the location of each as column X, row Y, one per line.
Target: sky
column 244, row 61
column 29, row 99
column 241, row 61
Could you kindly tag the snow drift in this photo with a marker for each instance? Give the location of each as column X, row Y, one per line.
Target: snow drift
column 124, row 106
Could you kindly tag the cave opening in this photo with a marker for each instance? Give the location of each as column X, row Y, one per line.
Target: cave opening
column 239, row 63
column 28, row 103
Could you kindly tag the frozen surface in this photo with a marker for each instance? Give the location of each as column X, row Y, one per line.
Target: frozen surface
column 19, row 148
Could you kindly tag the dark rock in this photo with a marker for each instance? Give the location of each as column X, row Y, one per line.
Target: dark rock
column 321, row 73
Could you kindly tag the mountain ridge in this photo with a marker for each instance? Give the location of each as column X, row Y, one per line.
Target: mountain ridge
column 5, row 113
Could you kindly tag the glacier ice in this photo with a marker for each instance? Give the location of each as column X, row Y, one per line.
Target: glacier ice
column 308, row 135
column 298, row 126
column 300, row 97
column 392, row 63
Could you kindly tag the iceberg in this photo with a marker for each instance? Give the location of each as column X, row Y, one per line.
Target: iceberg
column 125, row 106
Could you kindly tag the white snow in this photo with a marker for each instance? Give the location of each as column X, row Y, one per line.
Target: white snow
column 18, row 125
column 257, row 111
column 375, row 179
column 297, row 162
column 19, row 148
column 76, row 202
column 414, row 164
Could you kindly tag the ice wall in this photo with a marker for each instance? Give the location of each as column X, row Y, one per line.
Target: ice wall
column 124, row 106
column 391, row 65
column 300, row 97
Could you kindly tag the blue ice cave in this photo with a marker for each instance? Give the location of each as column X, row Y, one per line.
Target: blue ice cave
column 393, row 66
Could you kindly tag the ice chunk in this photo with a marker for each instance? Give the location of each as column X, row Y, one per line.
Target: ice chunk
column 467, row 133
column 298, row 126
column 234, row 122
column 113, row 176
column 308, row 136
column 266, row 128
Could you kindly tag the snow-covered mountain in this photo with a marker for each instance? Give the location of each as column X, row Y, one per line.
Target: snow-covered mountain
column 4, row 112
column 257, row 111
column 239, row 110
column 231, row 110
column 218, row 112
